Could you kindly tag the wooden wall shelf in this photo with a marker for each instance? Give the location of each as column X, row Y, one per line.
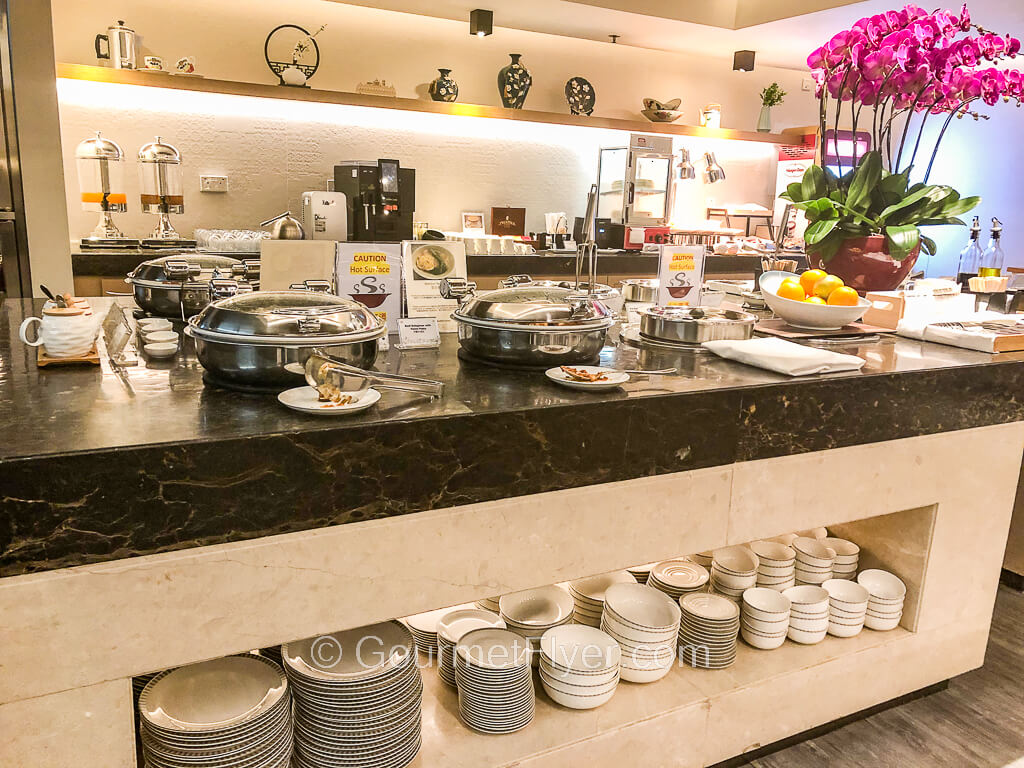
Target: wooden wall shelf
column 261, row 90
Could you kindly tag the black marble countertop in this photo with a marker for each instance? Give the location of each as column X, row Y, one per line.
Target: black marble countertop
column 98, row 466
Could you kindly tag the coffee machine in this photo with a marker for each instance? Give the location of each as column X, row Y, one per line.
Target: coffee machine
column 381, row 199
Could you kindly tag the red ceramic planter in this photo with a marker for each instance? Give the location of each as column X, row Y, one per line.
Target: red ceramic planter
column 865, row 265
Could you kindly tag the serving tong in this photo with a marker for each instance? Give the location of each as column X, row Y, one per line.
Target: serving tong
column 324, row 370
column 588, row 248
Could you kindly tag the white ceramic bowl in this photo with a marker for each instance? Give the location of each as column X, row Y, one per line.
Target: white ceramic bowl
column 806, row 599
column 647, row 674
column 772, row 554
column 848, row 595
column 814, row 533
column 631, row 637
column 882, row 585
column 773, row 627
column 800, row 314
column 161, row 349
column 574, row 699
column 578, row 648
column 737, row 561
column 766, row 603
column 809, row 625
column 882, row 625
column 540, row 607
column 641, row 607
column 592, row 588
column 764, row 642
column 786, row 538
column 806, row 638
column 151, row 324
column 159, row 337
column 845, row 629
column 780, row 587
column 846, row 551
column 731, row 581
column 811, row 552
column 775, row 575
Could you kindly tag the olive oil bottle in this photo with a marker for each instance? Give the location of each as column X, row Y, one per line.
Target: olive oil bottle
column 971, row 255
column 992, row 260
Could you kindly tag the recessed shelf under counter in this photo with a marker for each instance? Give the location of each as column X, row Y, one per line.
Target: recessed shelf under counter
column 263, row 90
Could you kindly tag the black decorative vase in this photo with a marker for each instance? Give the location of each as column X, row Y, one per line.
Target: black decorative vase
column 514, row 83
column 444, row 88
column 580, row 96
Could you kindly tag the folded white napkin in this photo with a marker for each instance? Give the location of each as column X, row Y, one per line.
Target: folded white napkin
column 783, row 356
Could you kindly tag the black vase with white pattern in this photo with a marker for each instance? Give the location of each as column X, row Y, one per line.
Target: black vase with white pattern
column 580, row 96
column 514, row 81
column 444, row 88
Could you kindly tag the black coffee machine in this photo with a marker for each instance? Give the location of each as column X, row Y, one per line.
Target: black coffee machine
column 381, row 199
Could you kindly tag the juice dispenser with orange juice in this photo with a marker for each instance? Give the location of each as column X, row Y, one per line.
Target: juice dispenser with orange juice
column 101, row 188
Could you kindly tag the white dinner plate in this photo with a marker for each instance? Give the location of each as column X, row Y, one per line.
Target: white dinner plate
column 614, row 378
column 306, row 400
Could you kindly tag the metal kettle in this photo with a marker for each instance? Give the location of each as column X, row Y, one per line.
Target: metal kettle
column 121, row 45
column 285, row 227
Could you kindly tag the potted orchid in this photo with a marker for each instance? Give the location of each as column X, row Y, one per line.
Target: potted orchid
column 904, row 75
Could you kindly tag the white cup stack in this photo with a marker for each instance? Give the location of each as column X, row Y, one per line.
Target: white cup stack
column 776, row 564
column 450, row 629
column 677, row 577
column 733, row 570
column 579, row 666
column 764, row 618
column 492, row 668
column 533, row 612
column 808, row 614
column 708, row 628
column 886, row 593
column 847, row 558
column 847, row 605
column 645, row 624
column 814, row 561
column 588, row 595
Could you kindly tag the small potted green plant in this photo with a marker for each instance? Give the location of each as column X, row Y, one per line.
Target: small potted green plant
column 771, row 96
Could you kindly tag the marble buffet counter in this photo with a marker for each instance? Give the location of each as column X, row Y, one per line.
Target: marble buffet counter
column 149, row 521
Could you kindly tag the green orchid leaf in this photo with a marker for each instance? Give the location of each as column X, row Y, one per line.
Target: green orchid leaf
column 961, row 206
column 793, row 192
column 813, row 183
column 925, row 193
column 949, row 220
column 928, row 245
column 819, row 230
column 865, row 181
column 902, row 240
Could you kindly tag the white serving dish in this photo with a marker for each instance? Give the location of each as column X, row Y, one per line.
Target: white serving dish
column 161, row 350
column 639, row 607
column 307, row 400
column 151, row 324
column 613, row 378
column 801, row 314
column 159, row 337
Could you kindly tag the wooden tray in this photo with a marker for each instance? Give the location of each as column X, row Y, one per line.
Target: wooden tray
column 43, row 360
column 778, row 327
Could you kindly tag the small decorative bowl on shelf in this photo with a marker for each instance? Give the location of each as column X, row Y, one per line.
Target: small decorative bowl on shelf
column 662, row 112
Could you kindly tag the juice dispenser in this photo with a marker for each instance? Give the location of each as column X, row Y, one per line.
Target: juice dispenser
column 162, row 192
column 101, row 185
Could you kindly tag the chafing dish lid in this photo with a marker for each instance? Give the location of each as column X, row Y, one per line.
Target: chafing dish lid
column 287, row 317
column 157, row 270
column 535, row 305
column 701, row 315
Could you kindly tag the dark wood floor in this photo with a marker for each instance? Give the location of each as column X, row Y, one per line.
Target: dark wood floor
column 977, row 722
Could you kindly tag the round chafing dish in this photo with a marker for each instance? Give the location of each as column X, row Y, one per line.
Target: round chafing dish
column 247, row 340
column 182, row 284
column 529, row 325
column 694, row 325
column 643, row 290
column 607, row 295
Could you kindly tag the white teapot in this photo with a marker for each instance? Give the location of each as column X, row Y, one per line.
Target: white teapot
column 63, row 331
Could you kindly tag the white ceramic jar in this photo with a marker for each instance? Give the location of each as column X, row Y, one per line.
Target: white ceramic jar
column 62, row 332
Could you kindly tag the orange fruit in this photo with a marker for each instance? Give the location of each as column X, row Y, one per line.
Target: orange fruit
column 791, row 289
column 809, row 278
column 843, row 297
column 824, row 287
column 814, row 300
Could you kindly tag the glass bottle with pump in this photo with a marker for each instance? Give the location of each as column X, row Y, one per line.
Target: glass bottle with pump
column 992, row 260
column 970, row 256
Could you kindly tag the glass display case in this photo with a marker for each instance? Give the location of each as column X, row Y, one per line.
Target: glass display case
column 634, row 186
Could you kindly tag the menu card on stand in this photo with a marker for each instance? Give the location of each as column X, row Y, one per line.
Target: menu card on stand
column 371, row 273
column 680, row 275
column 424, row 264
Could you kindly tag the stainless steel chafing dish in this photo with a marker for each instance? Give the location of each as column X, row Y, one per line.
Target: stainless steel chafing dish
column 529, row 324
column 181, row 285
column 607, row 295
column 246, row 340
column 694, row 325
column 640, row 289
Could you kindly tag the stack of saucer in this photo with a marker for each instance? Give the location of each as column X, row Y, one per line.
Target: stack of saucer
column 813, row 561
column 776, row 564
column 885, row 601
column 450, row 629
column 424, row 628
column 708, row 630
column 645, row 624
column 677, row 577
column 641, row 572
column 588, row 595
column 492, row 668
column 533, row 612
column 579, row 666
column 488, row 604
column 847, row 606
column 808, row 614
column 733, row 570
column 702, row 558
column 847, row 557
column 764, row 619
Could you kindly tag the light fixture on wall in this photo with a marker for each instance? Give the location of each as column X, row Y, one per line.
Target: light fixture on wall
column 685, row 168
column 713, row 172
column 481, row 22
column 743, row 61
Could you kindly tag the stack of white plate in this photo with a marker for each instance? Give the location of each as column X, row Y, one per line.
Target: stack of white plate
column 579, row 666
column 677, row 577
column 808, row 614
column 764, row 619
column 273, row 653
column 423, row 627
column 488, row 604
column 357, row 698
column 702, row 558
column 218, row 714
column 139, row 683
column 847, row 557
column 641, row 572
column 533, row 612
column 588, row 595
column 450, row 629
column 645, row 624
column 885, row 602
column 813, row 561
column 733, row 570
column 492, row 667
column 708, row 630
column 776, row 564
column 847, row 606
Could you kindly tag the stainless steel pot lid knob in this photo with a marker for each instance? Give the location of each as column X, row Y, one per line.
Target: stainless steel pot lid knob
column 456, row 288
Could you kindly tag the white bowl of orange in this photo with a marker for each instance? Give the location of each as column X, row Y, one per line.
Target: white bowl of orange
column 813, row 300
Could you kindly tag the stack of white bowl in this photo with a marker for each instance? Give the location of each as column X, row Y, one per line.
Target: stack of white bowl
column 588, row 595
column 847, row 557
column 808, row 613
column 492, row 667
column 733, row 570
column 814, row 533
column 423, row 627
column 847, row 606
column 217, row 714
column 707, row 630
column 488, row 604
column 645, row 624
column 357, row 697
column 813, row 561
column 641, row 572
column 764, row 619
column 885, row 602
column 702, row 558
column 533, row 612
column 776, row 564
column 678, row 577
column 579, row 666
column 450, row 629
